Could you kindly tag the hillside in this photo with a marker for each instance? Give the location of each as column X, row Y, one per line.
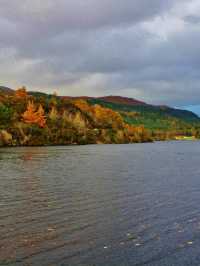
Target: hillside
column 156, row 118
column 6, row 90
column 121, row 100
column 126, row 104
column 162, row 121
column 36, row 118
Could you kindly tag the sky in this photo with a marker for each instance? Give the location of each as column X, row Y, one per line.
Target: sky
column 148, row 50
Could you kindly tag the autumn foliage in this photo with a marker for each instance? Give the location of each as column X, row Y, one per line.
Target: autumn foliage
column 33, row 116
column 103, row 116
column 41, row 119
column 21, row 93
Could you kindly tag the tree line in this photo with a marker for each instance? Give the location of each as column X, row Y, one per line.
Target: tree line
column 41, row 119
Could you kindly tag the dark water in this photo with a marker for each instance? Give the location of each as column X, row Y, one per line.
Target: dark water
column 106, row 205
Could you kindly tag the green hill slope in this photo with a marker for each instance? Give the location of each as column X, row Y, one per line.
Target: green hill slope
column 154, row 117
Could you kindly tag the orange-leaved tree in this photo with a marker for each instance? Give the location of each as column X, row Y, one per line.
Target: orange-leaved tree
column 31, row 116
column 40, row 117
column 21, row 93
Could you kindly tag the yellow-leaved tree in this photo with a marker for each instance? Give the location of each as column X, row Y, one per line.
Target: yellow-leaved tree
column 53, row 114
column 40, row 114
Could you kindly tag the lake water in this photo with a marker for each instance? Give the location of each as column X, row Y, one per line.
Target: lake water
column 101, row 205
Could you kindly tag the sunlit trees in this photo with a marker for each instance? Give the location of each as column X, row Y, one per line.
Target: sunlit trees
column 21, row 93
column 107, row 118
column 53, row 114
column 40, row 114
column 31, row 116
column 83, row 105
column 5, row 138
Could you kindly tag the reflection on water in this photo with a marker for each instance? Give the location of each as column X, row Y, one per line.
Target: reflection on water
column 100, row 205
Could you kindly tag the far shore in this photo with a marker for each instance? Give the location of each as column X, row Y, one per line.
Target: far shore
column 176, row 139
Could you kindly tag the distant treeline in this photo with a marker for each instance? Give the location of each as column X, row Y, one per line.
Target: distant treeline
column 29, row 119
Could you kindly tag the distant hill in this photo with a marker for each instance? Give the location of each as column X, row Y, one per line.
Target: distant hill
column 121, row 103
column 6, row 90
column 121, row 100
column 109, row 99
column 153, row 117
column 129, row 104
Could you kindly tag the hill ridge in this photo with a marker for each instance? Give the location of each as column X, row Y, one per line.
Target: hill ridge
column 113, row 100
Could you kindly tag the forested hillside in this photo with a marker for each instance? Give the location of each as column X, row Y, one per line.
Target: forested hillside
column 35, row 118
column 162, row 121
column 39, row 119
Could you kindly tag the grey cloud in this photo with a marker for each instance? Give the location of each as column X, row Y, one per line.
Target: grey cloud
column 192, row 19
column 99, row 47
column 78, row 14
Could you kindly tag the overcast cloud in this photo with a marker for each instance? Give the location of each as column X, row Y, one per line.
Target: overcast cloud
column 138, row 48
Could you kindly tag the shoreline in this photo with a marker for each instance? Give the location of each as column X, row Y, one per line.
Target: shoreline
column 97, row 144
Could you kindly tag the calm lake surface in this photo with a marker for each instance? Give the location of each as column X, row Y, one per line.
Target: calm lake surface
column 101, row 205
